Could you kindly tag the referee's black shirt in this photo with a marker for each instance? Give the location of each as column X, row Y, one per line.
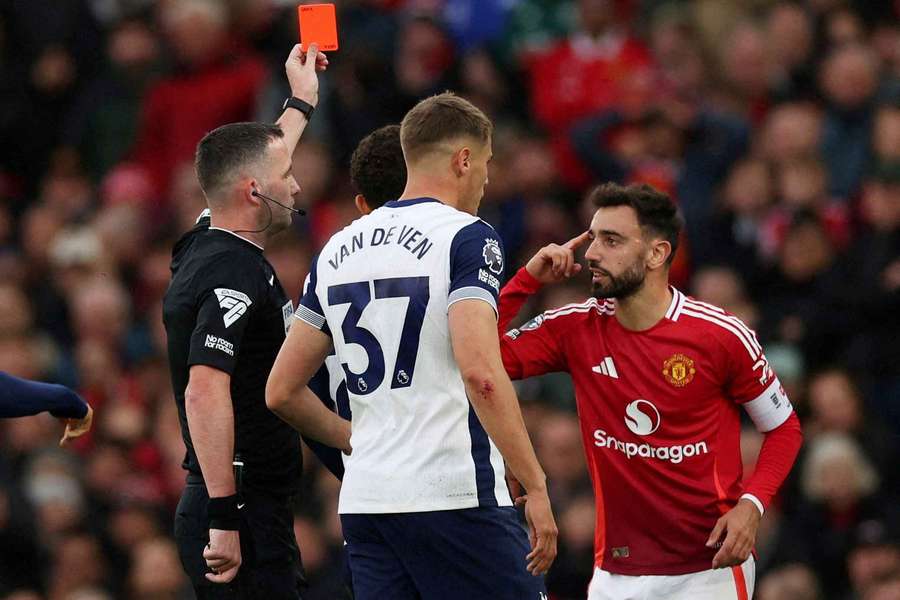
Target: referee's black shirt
column 225, row 308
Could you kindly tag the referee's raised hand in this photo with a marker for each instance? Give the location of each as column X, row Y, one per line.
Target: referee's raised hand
column 301, row 70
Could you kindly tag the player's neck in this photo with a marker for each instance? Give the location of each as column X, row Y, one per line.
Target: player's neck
column 238, row 227
column 646, row 307
column 431, row 187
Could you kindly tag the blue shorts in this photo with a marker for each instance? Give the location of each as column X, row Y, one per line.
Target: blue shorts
column 474, row 553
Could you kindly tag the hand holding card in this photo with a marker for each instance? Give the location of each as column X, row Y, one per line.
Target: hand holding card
column 318, row 25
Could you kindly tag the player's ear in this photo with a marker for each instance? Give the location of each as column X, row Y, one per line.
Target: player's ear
column 361, row 205
column 659, row 253
column 461, row 161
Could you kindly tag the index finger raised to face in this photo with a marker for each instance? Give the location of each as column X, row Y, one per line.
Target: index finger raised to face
column 578, row 240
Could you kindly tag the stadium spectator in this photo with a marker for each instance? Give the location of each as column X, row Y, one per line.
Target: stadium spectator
column 598, row 67
column 886, row 134
column 849, row 78
column 842, row 488
column 178, row 110
column 791, row 39
column 836, row 406
column 102, row 123
column 875, row 556
column 791, row 130
column 747, row 69
column 790, row 582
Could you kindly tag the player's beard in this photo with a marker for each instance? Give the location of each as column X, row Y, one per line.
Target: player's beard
column 620, row 286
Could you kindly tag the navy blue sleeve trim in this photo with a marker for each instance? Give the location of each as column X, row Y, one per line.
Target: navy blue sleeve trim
column 476, row 264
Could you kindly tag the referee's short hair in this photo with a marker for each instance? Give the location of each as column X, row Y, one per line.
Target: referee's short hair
column 441, row 118
column 655, row 210
column 225, row 151
column 377, row 169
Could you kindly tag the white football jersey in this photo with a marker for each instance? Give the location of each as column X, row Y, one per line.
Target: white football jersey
column 382, row 287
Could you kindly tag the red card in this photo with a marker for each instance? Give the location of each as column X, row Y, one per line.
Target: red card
column 318, row 24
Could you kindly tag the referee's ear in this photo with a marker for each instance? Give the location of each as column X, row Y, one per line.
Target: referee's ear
column 249, row 187
column 362, row 205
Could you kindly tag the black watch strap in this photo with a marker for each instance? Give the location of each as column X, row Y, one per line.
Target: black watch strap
column 303, row 106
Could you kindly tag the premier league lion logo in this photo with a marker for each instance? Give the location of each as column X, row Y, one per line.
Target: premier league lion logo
column 493, row 257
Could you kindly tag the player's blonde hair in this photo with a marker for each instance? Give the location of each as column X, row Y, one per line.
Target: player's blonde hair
column 441, row 118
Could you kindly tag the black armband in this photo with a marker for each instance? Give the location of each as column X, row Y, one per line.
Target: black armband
column 224, row 513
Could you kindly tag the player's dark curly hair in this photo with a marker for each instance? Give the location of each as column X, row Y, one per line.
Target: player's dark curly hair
column 377, row 168
column 655, row 211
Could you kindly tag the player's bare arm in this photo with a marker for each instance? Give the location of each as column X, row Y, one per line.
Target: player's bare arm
column 476, row 348
column 301, row 355
column 210, row 417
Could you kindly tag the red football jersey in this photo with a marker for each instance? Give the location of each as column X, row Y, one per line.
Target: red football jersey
column 660, row 421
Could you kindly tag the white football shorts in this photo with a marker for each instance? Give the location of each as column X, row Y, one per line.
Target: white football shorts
column 732, row 583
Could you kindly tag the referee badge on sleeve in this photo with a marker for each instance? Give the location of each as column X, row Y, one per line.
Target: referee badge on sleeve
column 234, row 303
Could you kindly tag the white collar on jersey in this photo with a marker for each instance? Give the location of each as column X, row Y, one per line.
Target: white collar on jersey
column 676, row 305
column 238, row 236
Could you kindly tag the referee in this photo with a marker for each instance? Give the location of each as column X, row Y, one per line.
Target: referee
column 226, row 316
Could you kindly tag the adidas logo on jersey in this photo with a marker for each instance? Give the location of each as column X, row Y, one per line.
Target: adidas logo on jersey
column 606, row 368
column 234, row 303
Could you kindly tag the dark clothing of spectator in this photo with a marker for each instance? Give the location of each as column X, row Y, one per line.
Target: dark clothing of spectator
column 846, row 139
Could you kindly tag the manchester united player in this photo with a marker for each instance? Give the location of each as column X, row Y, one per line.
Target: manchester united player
column 659, row 380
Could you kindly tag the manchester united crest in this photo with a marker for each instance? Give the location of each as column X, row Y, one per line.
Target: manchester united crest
column 679, row 370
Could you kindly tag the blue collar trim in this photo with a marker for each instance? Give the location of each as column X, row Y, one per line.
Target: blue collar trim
column 408, row 202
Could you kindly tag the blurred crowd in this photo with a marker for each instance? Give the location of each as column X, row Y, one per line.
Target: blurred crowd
column 774, row 124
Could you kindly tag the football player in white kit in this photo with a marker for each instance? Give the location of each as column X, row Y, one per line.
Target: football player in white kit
column 407, row 296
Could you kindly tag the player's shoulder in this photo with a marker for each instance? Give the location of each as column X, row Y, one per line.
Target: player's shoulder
column 715, row 323
column 458, row 226
column 577, row 312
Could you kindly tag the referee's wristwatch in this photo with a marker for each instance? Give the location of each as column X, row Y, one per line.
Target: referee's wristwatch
column 303, row 106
